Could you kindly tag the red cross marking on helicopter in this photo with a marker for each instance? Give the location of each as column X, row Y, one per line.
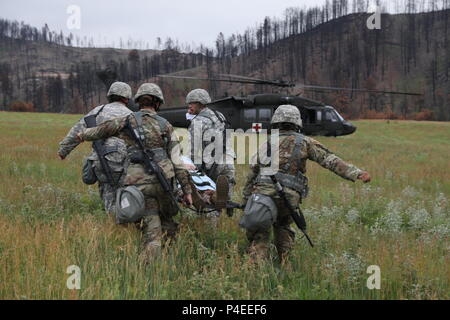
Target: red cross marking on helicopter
column 257, row 127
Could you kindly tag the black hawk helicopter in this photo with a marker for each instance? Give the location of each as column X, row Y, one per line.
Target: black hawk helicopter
column 255, row 111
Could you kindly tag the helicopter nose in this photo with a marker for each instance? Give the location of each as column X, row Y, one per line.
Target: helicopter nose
column 349, row 128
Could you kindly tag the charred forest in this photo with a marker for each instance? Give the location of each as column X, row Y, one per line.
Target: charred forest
column 46, row 71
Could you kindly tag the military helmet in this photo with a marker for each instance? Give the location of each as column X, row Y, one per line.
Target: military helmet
column 198, row 95
column 120, row 89
column 149, row 89
column 287, row 114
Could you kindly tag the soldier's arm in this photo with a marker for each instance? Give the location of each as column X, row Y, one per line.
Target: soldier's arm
column 70, row 142
column 174, row 152
column 320, row 154
column 105, row 130
column 197, row 131
column 195, row 141
column 255, row 169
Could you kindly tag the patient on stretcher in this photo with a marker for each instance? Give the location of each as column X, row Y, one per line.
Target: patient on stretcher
column 205, row 193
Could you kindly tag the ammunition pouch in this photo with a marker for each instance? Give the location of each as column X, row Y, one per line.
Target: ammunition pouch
column 137, row 156
column 159, row 156
column 116, row 161
column 88, row 172
column 298, row 183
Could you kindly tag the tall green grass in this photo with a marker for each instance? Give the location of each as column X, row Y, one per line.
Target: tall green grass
column 49, row 220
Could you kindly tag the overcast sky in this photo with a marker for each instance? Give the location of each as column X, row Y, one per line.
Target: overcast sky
column 189, row 21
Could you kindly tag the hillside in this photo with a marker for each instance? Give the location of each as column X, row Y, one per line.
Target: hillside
column 47, row 59
column 410, row 53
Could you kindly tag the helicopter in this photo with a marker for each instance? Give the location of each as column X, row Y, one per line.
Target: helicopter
column 255, row 111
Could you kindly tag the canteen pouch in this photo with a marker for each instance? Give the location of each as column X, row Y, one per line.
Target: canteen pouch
column 88, row 174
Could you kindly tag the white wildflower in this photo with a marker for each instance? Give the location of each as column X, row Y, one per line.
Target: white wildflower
column 410, row 192
column 440, row 208
column 418, row 218
column 441, row 231
column 392, row 220
column 353, row 216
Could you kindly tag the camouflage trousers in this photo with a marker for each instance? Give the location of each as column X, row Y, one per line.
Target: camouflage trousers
column 284, row 236
column 158, row 224
column 108, row 194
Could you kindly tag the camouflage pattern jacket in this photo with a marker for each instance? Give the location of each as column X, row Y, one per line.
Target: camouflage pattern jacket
column 110, row 111
column 157, row 136
column 204, row 126
column 310, row 149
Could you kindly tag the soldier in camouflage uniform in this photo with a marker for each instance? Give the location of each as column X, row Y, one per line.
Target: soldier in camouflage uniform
column 118, row 96
column 163, row 143
column 294, row 150
column 204, row 128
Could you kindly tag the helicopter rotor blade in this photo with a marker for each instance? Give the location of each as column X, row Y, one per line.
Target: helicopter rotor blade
column 180, row 77
column 239, row 77
column 244, row 81
column 260, row 81
column 318, row 88
column 230, row 78
column 209, row 79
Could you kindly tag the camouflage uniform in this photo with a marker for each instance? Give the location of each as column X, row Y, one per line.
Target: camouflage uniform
column 207, row 124
column 161, row 138
column 117, row 159
column 291, row 163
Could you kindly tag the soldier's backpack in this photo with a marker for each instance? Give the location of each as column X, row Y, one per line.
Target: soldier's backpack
column 130, row 205
column 88, row 173
column 223, row 120
column 260, row 213
column 226, row 126
column 299, row 182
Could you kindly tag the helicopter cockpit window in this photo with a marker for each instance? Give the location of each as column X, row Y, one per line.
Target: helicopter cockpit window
column 339, row 116
column 250, row 115
column 265, row 115
column 330, row 116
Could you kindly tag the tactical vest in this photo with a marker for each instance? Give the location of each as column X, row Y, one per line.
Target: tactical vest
column 219, row 117
column 108, row 149
column 159, row 155
column 226, row 125
column 298, row 182
column 108, row 169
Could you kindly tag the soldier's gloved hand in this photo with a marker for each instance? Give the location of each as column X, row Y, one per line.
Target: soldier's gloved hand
column 187, row 199
column 365, row 177
column 244, row 202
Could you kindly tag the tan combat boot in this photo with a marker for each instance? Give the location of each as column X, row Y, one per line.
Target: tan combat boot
column 222, row 191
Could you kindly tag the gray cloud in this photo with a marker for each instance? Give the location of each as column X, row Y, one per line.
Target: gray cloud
column 194, row 21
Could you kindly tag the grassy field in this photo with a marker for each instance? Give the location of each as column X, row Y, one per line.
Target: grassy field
column 49, row 220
